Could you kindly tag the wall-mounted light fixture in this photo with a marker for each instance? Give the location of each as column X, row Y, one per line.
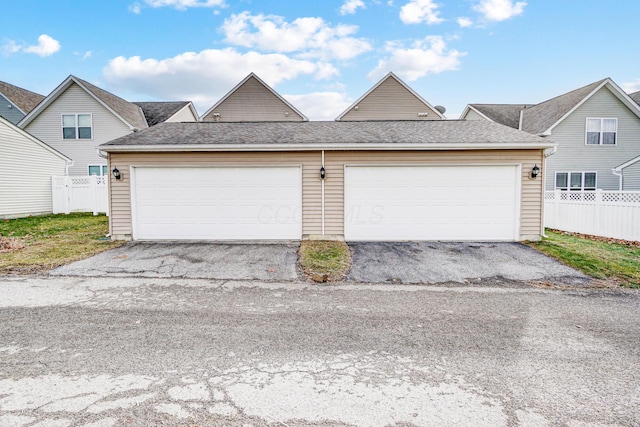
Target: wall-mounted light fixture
column 116, row 173
column 535, row 172
column 323, row 173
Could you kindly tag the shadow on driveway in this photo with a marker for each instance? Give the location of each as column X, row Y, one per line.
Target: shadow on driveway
column 439, row 262
column 236, row 261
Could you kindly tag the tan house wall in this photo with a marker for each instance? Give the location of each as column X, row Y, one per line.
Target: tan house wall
column 252, row 102
column 390, row 101
column 335, row 161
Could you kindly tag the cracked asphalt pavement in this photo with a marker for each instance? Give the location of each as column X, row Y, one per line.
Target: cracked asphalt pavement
column 104, row 351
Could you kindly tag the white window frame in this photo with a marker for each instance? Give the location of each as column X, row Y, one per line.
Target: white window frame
column 568, row 187
column 103, row 169
column 600, row 139
column 76, row 126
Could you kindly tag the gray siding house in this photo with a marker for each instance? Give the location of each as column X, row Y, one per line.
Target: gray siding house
column 16, row 102
column 78, row 116
column 597, row 128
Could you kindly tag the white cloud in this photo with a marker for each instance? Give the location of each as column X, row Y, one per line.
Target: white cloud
column 464, row 22
column 46, row 46
column 184, row 4
column 500, row 10
column 135, row 8
column 350, row 6
column 631, row 87
column 427, row 56
column 305, row 37
column 320, row 105
column 87, row 55
column 418, row 11
column 204, row 77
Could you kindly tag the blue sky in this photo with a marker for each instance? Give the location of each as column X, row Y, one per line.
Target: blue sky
column 323, row 55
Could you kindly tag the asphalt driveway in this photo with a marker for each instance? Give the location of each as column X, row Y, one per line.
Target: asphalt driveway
column 237, row 261
column 404, row 262
column 439, row 262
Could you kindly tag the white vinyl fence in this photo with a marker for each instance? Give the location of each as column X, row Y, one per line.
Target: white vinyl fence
column 613, row 214
column 80, row 194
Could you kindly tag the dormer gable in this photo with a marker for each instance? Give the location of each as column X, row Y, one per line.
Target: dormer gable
column 252, row 100
column 390, row 99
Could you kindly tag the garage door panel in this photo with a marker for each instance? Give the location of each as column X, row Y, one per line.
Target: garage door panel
column 218, row 203
column 431, row 202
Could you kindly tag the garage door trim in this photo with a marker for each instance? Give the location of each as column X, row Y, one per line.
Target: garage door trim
column 517, row 187
column 132, row 175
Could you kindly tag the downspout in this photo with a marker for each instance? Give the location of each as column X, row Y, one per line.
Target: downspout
column 619, row 174
column 108, row 181
column 548, row 152
column 322, row 205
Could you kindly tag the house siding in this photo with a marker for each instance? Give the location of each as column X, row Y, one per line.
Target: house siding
column 631, row 178
column 390, row 101
column 335, row 161
column 184, row 115
column 13, row 114
column 47, row 127
column 120, row 197
column 472, row 115
column 25, row 174
column 574, row 156
column 252, row 102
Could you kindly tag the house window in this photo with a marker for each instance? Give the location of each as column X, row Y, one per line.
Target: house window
column 601, row 131
column 576, row 181
column 100, row 170
column 76, row 126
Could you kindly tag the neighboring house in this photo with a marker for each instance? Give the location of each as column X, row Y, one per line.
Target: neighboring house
column 635, row 96
column 26, row 167
column 252, row 100
column 160, row 112
column 15, row 102
column 77, row 117
column 597, row 128
column 391, row 99
column 370, row 180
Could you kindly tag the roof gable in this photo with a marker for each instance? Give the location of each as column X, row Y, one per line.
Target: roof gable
column 23, row 99
column 542, row 118
column 505, row 114
column 33, row 139
column 159, row 112
column 129, row 113
column 257, row 101
column 376, row 104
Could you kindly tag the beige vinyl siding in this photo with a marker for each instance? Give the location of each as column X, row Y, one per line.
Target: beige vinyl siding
column 574, row 156
column 120, row 198
column 26, row 168
column 47, row 127
column 472, row 115
column 252, row 102
column 531, row 196
column 631, row 178
column 184, row 115
column 390, row 101
column 335, row 161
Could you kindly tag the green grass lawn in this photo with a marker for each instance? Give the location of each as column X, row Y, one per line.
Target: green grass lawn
column 324, row 261
column 40, row 243
column 596, row 258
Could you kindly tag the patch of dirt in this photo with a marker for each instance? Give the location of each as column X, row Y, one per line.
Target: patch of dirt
column 600, row 238
column 10, row 244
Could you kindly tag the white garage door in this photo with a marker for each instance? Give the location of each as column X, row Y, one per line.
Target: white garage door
column 431, row 203
column 217, row 203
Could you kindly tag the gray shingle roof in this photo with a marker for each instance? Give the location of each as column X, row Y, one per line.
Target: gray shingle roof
column 22, row 98
column 330, row 132
column 158, row 112
column 505, row 114
column 635, row 96
column 127, row 110
column 540, row 117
